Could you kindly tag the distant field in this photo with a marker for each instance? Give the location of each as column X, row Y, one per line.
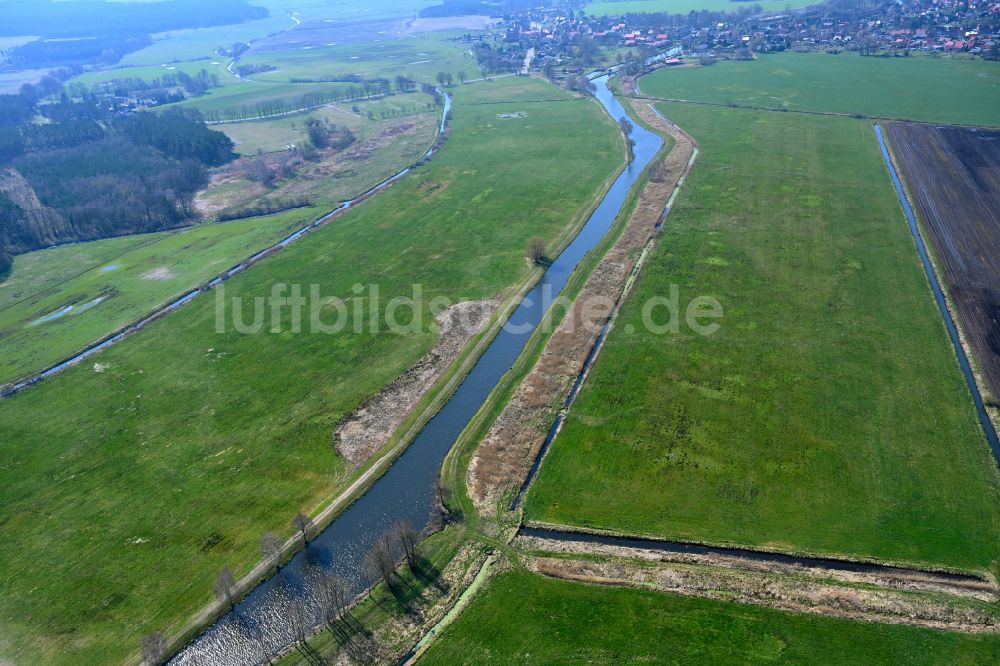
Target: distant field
column 154, row 268
column 181, row 45
column 622, row 7
column 520, row 618
column 273, row 135
column 147, row 73
column 243, row 96
column 953, row 175
column 917, row 88
column 189, row 444
column 196, row 43
column 419, row 57
column 828, row 414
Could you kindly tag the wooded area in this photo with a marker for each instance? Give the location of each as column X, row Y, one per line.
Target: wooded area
column 89, row 174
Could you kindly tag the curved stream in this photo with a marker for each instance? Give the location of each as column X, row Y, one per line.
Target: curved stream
column 260, row 624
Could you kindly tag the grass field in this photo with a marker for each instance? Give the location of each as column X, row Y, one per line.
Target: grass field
column 190, row 444
column 154, row 268
column 157, row 268
column 520, row 618
column 147, row 73
column 419, row 57
column 622, row 7
column 828, row 413
column 245, row 95
column 38, row 271
column 941, row 90
column 202, row 42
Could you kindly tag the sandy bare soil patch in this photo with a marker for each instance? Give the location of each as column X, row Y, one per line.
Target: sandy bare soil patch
column 160, row 274
column 504, row 458
column 775, row 590
column 369, row 428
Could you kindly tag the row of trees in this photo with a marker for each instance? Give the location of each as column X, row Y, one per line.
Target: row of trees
column 328, row 602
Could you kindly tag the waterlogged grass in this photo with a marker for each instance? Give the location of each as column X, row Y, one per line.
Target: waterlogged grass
column 37, row 271
column 828, row 412
column 521, row 618
column 105, row 294
column 945, row 90
column 124, row 491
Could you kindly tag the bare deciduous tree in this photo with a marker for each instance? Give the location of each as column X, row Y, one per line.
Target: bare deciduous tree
column 271, row 548
column 333, row 596
column 536, row 250
column 225, row 586
column 154, row 648
column 407, row 537
column 304, row 525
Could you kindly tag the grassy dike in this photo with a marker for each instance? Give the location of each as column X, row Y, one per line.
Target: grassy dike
column 216, row 438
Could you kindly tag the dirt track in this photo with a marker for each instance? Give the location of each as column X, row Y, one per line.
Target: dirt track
column 953, row 176
column 505, row 456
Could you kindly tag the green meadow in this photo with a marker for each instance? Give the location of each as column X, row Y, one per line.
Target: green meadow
column 147, row 73
column 944, row 90
column 111, row 283
column 125, row 487
column 521, row 618
column 238, row 95
column 108, row 293
column 419, row 57
column 827, row 413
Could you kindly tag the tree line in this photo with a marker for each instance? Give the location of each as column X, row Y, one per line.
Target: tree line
column 327, row 600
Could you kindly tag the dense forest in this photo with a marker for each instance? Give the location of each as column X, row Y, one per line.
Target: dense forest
column 85, row 174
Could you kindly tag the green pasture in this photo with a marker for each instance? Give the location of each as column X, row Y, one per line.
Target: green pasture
column 944, row 90
column 111, row 283
column 521, row 618
column 124, row 490
column 147, row 73
column 827, row 413
column 419, row 57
